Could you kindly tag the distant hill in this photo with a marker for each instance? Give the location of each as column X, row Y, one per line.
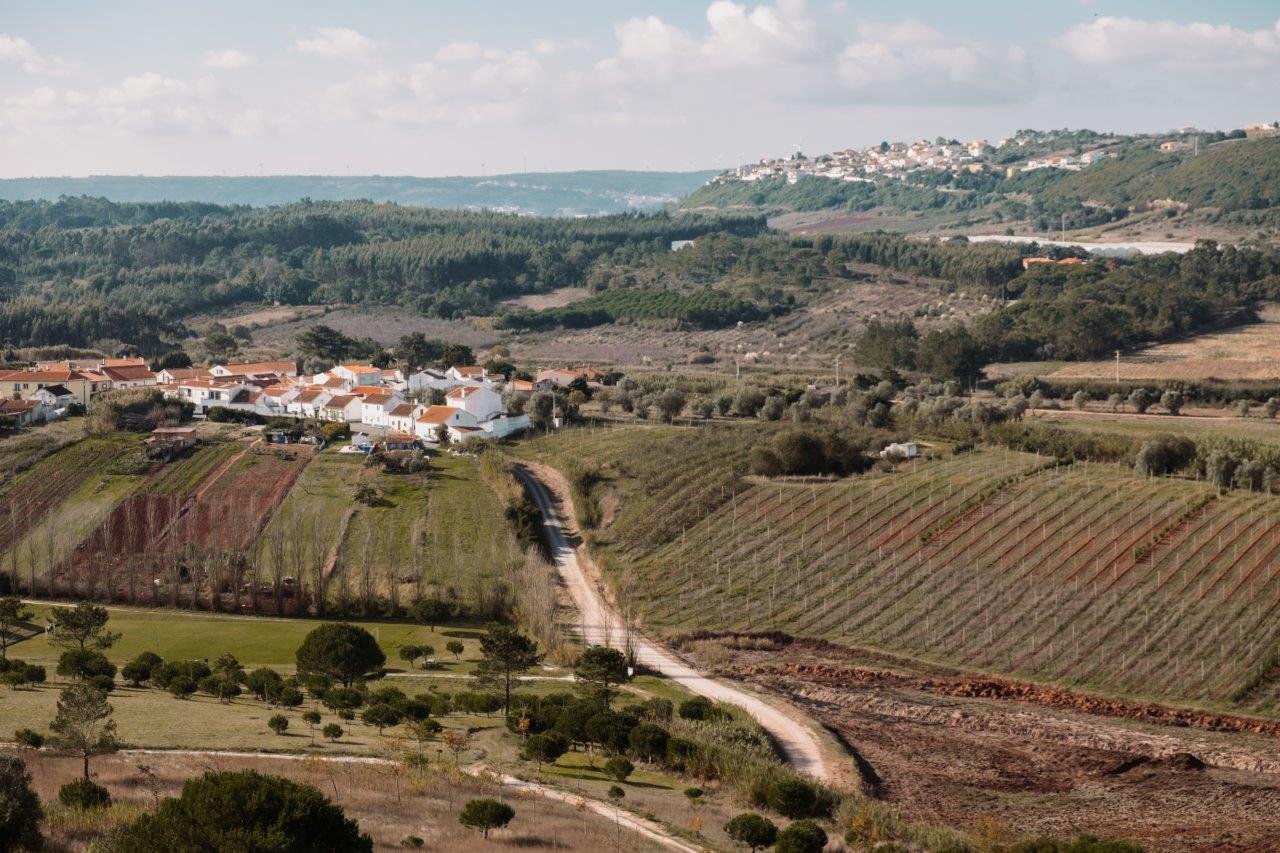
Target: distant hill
column 1238, row 178
column 540, row 193
column 1236, row 175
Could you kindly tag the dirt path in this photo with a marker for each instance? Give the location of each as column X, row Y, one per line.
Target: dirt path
column 602, row 625
column 651, row 830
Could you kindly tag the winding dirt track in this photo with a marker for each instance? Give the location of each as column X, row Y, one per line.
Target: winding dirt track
column 602, row 625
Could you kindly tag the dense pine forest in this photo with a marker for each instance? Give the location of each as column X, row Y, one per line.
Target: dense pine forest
column 81, row 270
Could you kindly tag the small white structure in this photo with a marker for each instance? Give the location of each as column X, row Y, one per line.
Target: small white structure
column 900, row 450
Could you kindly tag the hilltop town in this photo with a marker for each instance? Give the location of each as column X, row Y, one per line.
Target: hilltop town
column 1025, row 151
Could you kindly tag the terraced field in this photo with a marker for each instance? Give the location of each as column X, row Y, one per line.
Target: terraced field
column 1086, row 574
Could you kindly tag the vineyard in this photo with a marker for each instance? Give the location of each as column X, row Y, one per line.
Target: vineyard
column 1087, row 575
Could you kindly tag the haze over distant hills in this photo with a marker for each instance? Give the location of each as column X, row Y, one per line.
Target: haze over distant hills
column 542, row 193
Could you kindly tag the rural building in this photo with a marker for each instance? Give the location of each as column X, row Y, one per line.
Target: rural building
column 23, row 412
column 170, row 375
column 480, row 402
column 254, row 369
column 901, row 450
column 171, row 439
column 357, row 374
column 128, row 375
column 401, row 441
column 16, row 384
column 342, row 408
column 400, row 419
column 427, row 425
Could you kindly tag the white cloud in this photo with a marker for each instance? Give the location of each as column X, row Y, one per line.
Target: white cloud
column 911, row 63
column 147, row 104
column 335, row 42
column 782, row 52
column 459, row 51
column 23, row 52
column 226, row 59
column 1119, row 40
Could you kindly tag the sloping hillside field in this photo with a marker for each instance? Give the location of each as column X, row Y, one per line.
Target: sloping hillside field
column 239, row 525
column 1082, row 574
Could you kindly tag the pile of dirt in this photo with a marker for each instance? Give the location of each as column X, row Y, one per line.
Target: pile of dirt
column 973, row 687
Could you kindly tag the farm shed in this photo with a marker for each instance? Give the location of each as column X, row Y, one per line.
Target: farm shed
column 171, row 439
column 281, row 435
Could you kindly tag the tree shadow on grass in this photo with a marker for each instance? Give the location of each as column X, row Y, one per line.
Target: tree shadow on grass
column 587, row 775
column 531, row 842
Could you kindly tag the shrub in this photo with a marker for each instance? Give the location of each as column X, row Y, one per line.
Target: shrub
column 1172, row 401
column 793, row 798
column 264, row 683
column 278, row 723
column 182, row 687
column 343, row 698
column 618, row 768
column 194, row 670
column 332, row 731
column 381, row 716
column 20, row 812
column 85, row 664
column 29, row 737
column 1165, row 454
column 289, row 697
column 346, row 715
column 138, row 670
column 803, row 836
column 244, row 810
column 752, row 830
column 616, row 793
column 1079, row 399
column 412, row 842
column 649, row 741
column 693, row 793
column 485, row 815
column 1080, row 844
column 697, row 708
column 1141, row 399
column 545, row 748
column 84, row 794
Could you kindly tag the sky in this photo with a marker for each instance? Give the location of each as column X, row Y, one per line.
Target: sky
column 397, row 87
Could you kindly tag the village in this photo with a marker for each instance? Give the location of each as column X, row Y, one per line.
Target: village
column 898, row 159
column 402, row 410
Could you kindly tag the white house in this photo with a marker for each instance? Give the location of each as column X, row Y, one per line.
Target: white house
column 375, row 408
column 342, row 407
column 483, row 403
column 430, row 380
column 207, row 393
column 468, row 373
column 308, row 402
column 53, row 397
column 457, row 422
column 401, row 419
column 358, row 374
column 504, row 425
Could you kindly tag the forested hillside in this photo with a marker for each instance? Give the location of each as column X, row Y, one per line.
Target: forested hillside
column 81, row 270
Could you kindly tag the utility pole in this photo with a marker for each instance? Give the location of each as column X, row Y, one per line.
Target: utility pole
column 1064, row 225
column 1117, row 368
column 737, row 370
column 837, row 370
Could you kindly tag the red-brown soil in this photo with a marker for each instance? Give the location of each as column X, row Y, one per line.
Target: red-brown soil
column 948, row 748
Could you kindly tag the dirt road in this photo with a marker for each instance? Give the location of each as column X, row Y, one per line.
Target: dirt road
column 602, row 625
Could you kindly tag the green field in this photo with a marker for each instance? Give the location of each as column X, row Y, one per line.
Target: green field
column 254, row 640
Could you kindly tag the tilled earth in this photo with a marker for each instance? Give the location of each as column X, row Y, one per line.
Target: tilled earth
column 949, row 749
